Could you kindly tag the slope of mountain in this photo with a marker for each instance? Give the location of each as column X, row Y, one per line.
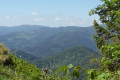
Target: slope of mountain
column 12, row 68
column 78, row 56
column 64, row 40
column 23, row 55
column 44, row 41
column 23, row 36
column 6, row 30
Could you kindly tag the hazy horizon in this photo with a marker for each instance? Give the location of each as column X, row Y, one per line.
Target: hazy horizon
column 45, row 26
column 48, row 13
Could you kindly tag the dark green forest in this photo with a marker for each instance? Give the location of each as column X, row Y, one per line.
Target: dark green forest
column 77, row 56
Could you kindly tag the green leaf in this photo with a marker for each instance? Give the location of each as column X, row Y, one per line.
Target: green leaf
column 78, row 68
column 118, row 73
column 101, row 76
column 66, row 71
column 63, row 68
column 93, row 75
column 75, row 74
column 70, row 66
column 86, row 72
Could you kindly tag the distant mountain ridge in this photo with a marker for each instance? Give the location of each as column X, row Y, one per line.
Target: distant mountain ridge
column 5, row 29
column 64, row 40
column 43, row 41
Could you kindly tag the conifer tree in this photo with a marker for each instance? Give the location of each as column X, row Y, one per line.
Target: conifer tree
column 109, row 13
column 107, row 39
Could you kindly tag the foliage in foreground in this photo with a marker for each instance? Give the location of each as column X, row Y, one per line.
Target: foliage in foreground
column 108, row 41
column 12, row 68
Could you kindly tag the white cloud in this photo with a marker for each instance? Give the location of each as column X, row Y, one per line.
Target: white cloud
column 16, row 16
column 58, row 19
column 77, row 21
column 34, row 13
column 7, row 17
column 71, row 23
column 38, row 19
column 11, row 17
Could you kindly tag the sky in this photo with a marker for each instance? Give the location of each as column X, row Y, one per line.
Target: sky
column 53, row 13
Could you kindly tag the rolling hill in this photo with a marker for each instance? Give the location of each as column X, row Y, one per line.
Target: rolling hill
column 78, row 56
column 23, row 55
column 43, row 41
column 62, row 41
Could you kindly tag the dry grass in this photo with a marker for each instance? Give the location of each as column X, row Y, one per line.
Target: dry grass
column 4, row 54
column 4, row 50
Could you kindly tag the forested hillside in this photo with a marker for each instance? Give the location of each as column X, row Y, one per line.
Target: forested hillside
column 45, row 41
column 23, row 55
column 63, row 41
column 78, row 56
column 12, row 68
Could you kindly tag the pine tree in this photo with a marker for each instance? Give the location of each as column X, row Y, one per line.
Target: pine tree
column 107, row 39
column 109, row 14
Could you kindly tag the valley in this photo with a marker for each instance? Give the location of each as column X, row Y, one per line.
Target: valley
column 52, row 48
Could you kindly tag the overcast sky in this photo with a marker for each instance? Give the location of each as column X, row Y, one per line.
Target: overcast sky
column 52, row 13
